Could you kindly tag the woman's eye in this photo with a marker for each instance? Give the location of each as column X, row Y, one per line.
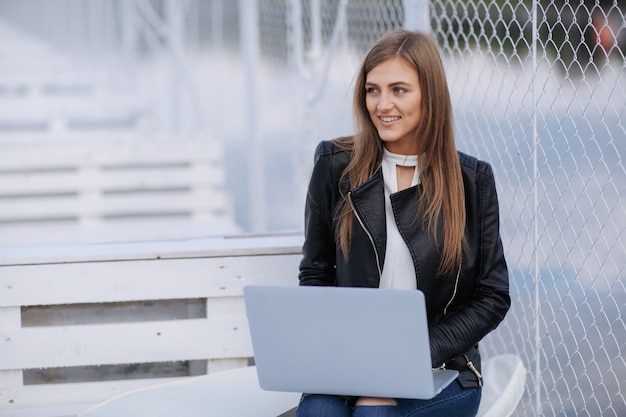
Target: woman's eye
column 399, row 90
column 371, row 90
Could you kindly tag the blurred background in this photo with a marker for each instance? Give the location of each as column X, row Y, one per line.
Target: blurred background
column 125, row 120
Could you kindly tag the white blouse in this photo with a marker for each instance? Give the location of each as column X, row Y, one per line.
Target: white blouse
column 398, row 270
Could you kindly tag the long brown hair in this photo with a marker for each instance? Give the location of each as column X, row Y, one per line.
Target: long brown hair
column 438, row 161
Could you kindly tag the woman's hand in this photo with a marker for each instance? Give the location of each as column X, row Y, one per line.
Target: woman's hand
column 375, row 401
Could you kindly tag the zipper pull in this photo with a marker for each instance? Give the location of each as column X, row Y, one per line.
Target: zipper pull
column 443, row 366
column 472, row 368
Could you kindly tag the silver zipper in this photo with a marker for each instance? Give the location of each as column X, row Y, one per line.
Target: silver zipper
column 380, row 274
column 456, row 286
column 472, row 368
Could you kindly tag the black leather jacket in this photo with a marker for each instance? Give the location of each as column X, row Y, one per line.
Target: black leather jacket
column 462, row 307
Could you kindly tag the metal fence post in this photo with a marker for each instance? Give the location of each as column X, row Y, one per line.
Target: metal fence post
column 249, row 33
column 417, row 15
column 175, row 28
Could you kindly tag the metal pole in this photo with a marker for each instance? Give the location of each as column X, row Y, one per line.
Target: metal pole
column 249, row 32
column 536, row 212
column 174, row 19
column 417, row 15
column 296, row 37
column 218, row 53
column 316, row 28
column 217, row 30
column 129, row 40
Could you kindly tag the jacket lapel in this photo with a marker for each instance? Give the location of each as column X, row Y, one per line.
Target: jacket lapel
column 368, row 201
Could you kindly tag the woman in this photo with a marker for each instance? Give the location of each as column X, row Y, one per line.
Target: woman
column 396, row 206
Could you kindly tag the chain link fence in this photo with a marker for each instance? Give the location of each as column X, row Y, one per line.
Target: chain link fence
column 539, row 90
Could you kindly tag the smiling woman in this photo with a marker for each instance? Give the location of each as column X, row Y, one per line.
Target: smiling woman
column 396, row 206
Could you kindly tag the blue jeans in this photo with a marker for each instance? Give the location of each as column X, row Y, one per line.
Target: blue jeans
column 453, row 401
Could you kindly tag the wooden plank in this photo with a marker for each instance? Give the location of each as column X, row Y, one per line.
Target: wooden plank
column 53, row 207
column 193, row 200
column 72, row 154
column 10, row 319
column 77, row 397
column 39, row 183
column 106, row 344
column 94, row 205
column 120, row 312
column 142, row 152
column 203, row 176
column 197, row 175
column 29, row 235
column 105, row 139
column 99, row 282
column 211, row 247
column 11, row 378
column 66, row 114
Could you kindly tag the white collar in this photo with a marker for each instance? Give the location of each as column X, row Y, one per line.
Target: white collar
column 401, row 160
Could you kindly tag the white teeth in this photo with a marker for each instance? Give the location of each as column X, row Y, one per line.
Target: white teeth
column 389, row 119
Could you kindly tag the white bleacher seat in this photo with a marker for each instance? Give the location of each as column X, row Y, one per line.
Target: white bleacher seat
column 233, row 393
column 237, row 393
column 505, row 377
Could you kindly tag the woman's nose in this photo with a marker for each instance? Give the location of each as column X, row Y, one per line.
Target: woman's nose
column 384, row 102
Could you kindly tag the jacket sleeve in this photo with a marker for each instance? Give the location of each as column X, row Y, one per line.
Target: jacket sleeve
column 465, row 327
column 317, row 266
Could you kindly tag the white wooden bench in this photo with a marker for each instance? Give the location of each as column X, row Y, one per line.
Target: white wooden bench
column 66, row 319
column 71, row 329
column 77, row 189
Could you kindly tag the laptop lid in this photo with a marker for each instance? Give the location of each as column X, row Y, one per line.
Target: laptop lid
column 343, row 341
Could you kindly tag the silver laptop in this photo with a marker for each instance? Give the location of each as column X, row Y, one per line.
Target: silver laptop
column 345, row 341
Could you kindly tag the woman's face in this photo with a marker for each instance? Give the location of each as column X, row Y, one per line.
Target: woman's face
column 393, row 96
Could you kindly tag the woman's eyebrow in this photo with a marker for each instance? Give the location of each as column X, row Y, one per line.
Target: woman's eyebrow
column 397, row 83
column 393, row 84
